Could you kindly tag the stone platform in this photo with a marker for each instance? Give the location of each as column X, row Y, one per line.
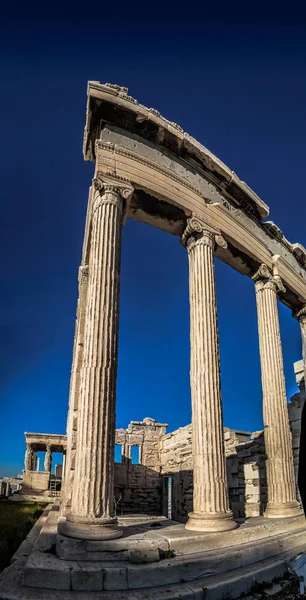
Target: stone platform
column 154, row 559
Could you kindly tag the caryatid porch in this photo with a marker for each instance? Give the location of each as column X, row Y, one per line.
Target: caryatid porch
column 140, row 174
column 38, row 479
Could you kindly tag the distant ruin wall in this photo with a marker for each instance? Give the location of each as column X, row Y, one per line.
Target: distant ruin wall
column 167, row 458
column 161, row 480
column 176, row 461
column 245, row 460
column 138, row 487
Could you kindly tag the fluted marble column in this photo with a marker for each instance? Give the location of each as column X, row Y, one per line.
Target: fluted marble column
column 278, row 442
column 48, row 459
column 73, row 412
column 300, row 315
column 210, row 495
column 92, row 507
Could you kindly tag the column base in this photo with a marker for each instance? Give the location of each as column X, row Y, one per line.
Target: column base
column 90, row 529
column 211, row 522
column 283, row 511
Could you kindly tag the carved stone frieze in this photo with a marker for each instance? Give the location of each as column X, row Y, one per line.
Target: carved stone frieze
column 235, row 211
column 249, row 238
column 100, row 144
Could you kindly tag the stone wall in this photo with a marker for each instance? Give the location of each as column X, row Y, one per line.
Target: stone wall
column 246, row 473
column 138, row 487
column 34, row 480
column 167, row 459
column 245, row 461
column 144, row 487
column 176, row 462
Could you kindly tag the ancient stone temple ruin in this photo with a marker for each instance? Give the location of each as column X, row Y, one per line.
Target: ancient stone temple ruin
column 221, row 507
column 153, row 469
column 36, row 477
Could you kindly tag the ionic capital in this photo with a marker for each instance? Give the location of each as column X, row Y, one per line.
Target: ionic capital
column 112, row 189
column 300, row 313
column 198, row 232
column 264, row 278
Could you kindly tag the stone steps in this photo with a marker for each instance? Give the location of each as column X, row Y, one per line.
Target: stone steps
column 225, row 586
column 222, row 572
column 171, row 535
column 46, row 570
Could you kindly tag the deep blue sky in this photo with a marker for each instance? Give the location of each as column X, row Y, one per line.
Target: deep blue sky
column 239, row 87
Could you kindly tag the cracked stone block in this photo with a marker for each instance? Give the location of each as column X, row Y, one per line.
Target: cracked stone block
column 115, row 578
column 87, row 577
column 47, row 571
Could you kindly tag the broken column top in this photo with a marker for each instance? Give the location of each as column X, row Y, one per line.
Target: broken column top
column 148, row 423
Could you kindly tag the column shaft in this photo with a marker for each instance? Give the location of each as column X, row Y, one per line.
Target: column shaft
column 73, row 413
column 74, row 391
column 278, row 443
column 92, row 506
column 302, row 321
column 300, row 314
column 210, row 496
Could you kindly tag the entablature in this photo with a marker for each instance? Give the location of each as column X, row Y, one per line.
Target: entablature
column 40, row 441
column 170, row 187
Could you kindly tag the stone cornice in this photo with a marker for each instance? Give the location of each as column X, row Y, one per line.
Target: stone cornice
column 296, row 249
column 197, row 229
column 265, row 278
column 115, row 95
